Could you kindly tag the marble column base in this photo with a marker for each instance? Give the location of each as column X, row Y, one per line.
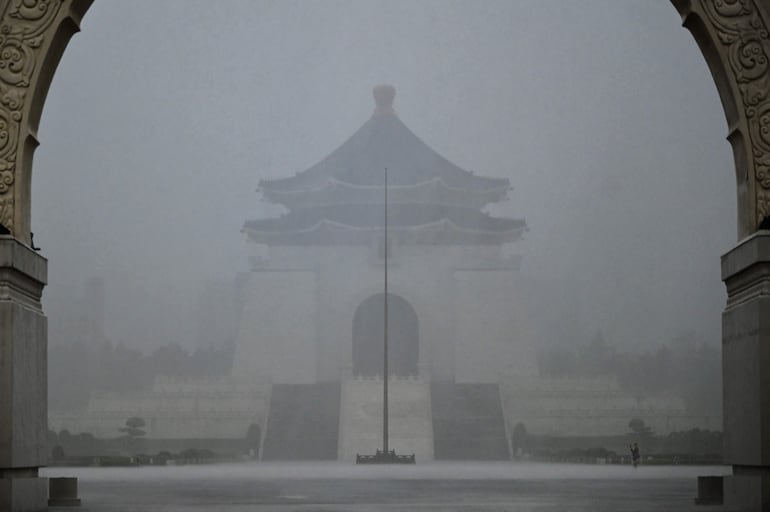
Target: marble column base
column 744, row 493
column 24, row 494
column 23, row 378
column 746, row 374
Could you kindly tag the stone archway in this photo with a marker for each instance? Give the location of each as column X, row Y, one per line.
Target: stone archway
column 734, row 37
column 403, row 337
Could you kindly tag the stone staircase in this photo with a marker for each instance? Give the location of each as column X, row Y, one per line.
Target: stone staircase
column 409, row 413
column 468, row 422
column 303, row 422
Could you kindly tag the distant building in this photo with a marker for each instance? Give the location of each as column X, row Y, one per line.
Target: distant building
column 313, row 310
column 314, row 300
column 309, row 344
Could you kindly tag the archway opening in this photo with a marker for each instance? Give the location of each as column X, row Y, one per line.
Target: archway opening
column 403, row 337
column 534, row 131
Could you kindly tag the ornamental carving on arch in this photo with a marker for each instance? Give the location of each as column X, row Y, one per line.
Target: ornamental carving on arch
column 23, row 28
column 744, row 35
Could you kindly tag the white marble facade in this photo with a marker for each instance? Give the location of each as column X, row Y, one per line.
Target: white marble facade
column 299, row 305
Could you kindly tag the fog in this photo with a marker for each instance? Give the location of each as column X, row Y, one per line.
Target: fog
column 162, row 119
column 580, row 313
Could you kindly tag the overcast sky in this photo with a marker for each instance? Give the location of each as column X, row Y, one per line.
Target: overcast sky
column 164, row 115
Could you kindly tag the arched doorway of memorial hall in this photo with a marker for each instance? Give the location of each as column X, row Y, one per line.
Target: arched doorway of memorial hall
column 403, row 337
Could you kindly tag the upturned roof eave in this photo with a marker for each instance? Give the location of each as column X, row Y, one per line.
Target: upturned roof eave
column 294, row 184
column 279, row 185
column 358, row 148
column 327, row 235
column 435, row 190
column 517, row 226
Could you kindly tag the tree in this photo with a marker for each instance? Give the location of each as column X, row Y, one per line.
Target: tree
column 133, row 428
column 171, row 360
column 639, row 428
column 57, row 453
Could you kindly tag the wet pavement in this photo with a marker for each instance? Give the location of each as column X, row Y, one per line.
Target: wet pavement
column 325, row 487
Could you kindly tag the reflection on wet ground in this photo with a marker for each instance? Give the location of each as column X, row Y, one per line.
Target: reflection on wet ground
column 471, row 487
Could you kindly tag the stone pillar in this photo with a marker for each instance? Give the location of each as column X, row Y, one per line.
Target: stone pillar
column 23, row 378
column 746, row 373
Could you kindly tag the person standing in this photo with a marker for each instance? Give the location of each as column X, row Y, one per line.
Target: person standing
column 635, row 457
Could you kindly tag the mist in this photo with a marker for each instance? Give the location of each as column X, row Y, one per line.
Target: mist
column 603, row 117
column 196, row 313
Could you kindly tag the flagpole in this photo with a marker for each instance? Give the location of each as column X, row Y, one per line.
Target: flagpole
column 385, row 333
column 386, row 456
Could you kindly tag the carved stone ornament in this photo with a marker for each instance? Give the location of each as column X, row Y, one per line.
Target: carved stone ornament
column 744, row 34
column 24, row 26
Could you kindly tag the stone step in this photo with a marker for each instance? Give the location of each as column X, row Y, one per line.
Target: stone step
column 303, row 422
column 409, row 412
column 468, row 422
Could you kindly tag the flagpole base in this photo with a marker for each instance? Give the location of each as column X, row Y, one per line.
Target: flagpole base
column 381, row 457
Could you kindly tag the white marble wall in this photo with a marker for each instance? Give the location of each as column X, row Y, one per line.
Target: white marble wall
column 299, row 305
column 175, row 408
column 23, row 377
column 590, row 407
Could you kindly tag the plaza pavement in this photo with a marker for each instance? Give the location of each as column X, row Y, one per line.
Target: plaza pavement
column 340, row 487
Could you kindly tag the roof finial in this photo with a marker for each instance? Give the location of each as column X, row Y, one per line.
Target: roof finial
column 383, row 98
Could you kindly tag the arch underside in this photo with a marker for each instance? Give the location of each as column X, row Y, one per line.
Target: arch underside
column 733, row 37
column 732, row 34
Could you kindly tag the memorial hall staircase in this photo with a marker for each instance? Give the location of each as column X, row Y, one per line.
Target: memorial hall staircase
column 409, row 414
column 468, row 422
column 303, row 422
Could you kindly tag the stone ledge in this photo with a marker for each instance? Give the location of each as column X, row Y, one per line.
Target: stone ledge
column 746, row 270
column 749, row 251
column 21, row 258
column 63, row 492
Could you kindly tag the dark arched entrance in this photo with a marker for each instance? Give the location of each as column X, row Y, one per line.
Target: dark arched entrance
column 368, row 337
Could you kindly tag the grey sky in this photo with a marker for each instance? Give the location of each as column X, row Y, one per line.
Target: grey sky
column 165, row 114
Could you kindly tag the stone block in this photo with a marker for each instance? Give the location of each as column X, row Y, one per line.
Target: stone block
column 746, row 383
column 745, row 376
column 63, row 492
column 24, row 494
column 23, row 357
column 747, row 493
column 710, row 490
column 746, row 353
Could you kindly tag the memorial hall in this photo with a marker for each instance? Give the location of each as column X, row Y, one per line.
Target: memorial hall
column 313, row 302
column 308, row 367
